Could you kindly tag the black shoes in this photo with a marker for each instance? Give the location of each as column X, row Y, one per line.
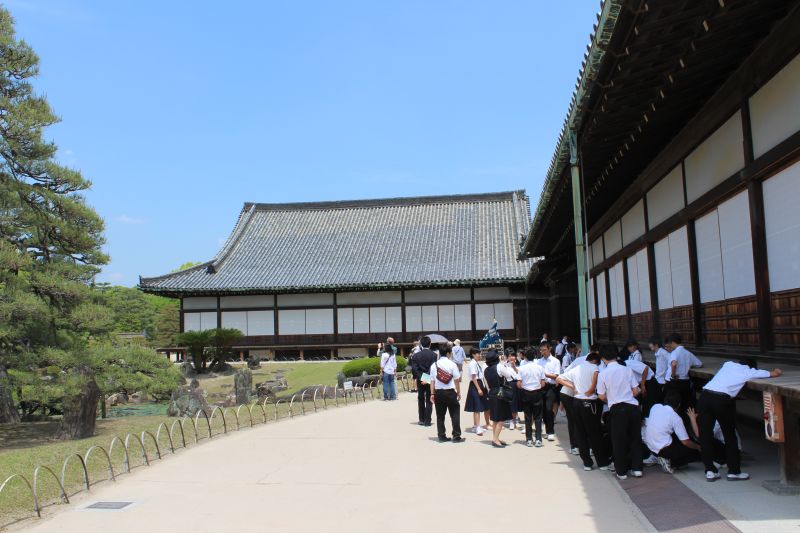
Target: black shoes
column 444, row 439
column 458, row 439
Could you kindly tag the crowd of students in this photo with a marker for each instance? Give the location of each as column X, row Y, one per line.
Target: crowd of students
column 621, row 415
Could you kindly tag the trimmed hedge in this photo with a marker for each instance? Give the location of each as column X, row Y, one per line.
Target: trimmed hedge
column 370, row 365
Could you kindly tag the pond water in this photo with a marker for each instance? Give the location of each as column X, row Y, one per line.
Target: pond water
column 144, row 409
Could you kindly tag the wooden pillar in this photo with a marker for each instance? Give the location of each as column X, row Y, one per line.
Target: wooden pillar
column 608, row 306
column 472, row 310
column 403, row 314
column 302, row 355
column 628, row 319
column 527, row 315
column 655, row 322
column 219, row 315
column 180, row 315
column 694, row 276
column 241, row 356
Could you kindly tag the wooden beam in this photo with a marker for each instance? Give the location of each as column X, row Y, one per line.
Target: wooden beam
column 694, row 276
column 652, row 274
column 608, row 306
column 628, row 319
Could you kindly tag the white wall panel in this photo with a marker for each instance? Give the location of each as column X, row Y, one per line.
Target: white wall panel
column 369, row 297
column 775, row 109
column 377, row 319
column 597, row 252
column 782, row 214
column 717, row 158
column 191, row 322
column 463, row 314
column 679, row 263
column 361, row 320
column 292, row 322
column 737, row 246
column 633, row 284
column 235, row 320
column 663, row 274
column 665, row 198
column 505, row 315
column 261, row 322
column 447, row 317
column 344, row 319
column 208, row 320
column 298, row 300
column 437, row 295
column 484, row 314
column 430, row 318
column 709, row 258
column 633, row 223
column 319, row 321
column 413, row 318
column 617, row 289
column 394, row 319
column 613, row 239
column 200, row 302
column 643, row 274
column 602, row 309
column 492, row 293
column 256, row 300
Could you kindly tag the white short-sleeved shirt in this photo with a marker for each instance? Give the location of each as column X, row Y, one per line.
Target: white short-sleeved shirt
column 531, row 377
column 615, row 383
column 639, row 369
column 581, row 376
column 685, row 359
column 635, row 356
column 566, row 360
column 662, row 365
column 388, row 362
column 576, row 362
column 505, row 371
column 448, row 366
column 731, row 378
column 661, row 424
column 550, row 365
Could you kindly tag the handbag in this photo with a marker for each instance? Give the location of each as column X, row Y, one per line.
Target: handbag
column 505, row 392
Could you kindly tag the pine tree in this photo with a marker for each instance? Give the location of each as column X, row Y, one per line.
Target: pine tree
column 50, row 244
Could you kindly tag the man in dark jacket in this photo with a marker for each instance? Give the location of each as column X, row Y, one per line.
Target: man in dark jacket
column 421, row 364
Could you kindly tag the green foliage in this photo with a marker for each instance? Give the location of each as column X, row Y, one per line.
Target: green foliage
column 167, row 326
column 133, row 368
column 132, row 311
column 370, row 365
column 188, row 264
column 215, row 343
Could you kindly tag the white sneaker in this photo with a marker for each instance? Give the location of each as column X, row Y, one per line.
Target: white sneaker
column 666, row 465
column 712, row 476
column 551, row 437
column 479, row 431
column 636, row 473
column 651, row 461
column 587, row 468
column 622, row 477
column 574, row 451
column 529, row 444
column 605, row 468
column 538, row 443
column 738, row 477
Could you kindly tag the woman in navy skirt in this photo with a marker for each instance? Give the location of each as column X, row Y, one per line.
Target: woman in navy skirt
column 478, row 393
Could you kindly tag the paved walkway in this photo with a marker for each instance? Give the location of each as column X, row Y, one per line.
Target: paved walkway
column 366, row 467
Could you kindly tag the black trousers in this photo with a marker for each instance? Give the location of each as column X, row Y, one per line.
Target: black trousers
column 678, row 453
column 720, row 408
column 684, row 388
column 653, row 395
column 549, row 398
column 569, row 410
column 532, row 406
column 626, row 437
column 424, row 405
column 447, row 400
column 588, row 432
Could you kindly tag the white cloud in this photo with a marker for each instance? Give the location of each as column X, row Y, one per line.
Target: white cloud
column 125, row 219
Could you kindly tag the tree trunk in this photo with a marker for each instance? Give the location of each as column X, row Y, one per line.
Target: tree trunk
column 8, row 410
column 80, row 410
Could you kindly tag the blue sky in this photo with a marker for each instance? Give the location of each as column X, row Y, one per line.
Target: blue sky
column 181, row 111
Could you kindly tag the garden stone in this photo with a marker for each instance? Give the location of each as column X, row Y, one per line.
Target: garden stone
column 243, row 385
column 187, row 401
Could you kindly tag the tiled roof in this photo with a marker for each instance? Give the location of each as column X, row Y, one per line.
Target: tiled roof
column 364, row 244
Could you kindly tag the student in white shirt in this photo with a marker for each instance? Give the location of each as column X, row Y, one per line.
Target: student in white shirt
column 552, row 368
column 718, row 403
column 478, row 392
column 666, row 437
column 565, row 398
column 618, row 387
column 681, row 361
column 531, row 383
column 645, row 377
column 446, row 394
column 587, row 409
column 633, row 351
column 662, row 363
column 388, row 369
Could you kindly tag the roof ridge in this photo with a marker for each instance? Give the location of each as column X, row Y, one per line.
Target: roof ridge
column 387, row 202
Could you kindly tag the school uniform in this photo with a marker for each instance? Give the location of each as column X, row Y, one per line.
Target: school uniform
column 475, row 402
column 647, row 399
column 531, row 377
column 586, row 411
column 717, row 404
column 685, row 361
column 550, row 365
column 499, row 410
column 420, row 364
column 663, row 434
column 662, row 367
column 616, row 383
column 636, row 355
column 446, row 398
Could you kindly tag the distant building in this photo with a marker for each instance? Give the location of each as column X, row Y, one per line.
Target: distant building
column 334, row 278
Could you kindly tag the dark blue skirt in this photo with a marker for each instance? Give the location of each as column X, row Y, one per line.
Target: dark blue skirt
column 475, row 402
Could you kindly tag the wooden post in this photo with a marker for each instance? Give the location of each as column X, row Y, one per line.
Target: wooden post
column 694, row 277
column 628, row 319
column 651, row 274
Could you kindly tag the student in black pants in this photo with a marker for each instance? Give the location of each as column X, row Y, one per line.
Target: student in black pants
column 552, row 368
column 445, row 390
column 618, row 387
column 421, row 364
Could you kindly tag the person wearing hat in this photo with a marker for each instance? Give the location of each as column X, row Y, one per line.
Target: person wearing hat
column 499, row 410
column 459, row 356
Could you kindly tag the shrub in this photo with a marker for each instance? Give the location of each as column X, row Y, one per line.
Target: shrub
column 370, row 365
